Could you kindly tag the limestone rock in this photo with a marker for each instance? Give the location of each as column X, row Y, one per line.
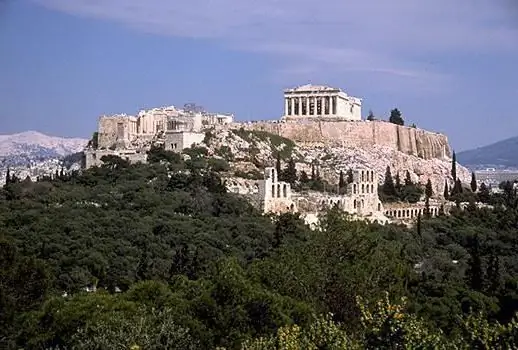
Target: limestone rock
column 251, row 149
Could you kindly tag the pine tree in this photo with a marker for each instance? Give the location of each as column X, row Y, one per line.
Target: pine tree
column 454, row 166
column 395, row 117
column 341, row 181
column 388, row 185
column 446, row 190
column 428, row 189
column 408, row 179
column 473, row 182
column 371, row 116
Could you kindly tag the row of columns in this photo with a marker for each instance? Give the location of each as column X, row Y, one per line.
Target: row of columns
column 410, row 213
column 310, row 105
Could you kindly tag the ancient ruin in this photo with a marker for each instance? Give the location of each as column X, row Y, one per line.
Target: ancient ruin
column 323, row 122
column 130, row 137
column 320, row 102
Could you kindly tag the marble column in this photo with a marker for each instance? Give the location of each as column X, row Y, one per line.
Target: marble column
column 286, row 105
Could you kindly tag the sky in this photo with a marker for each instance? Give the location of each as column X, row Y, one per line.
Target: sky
column 448, row 66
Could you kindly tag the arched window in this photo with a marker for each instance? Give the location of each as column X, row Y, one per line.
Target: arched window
column 285, row 191
column 363, row 188
column 355, row 204
column 363, row 176
column 354, row 189
column 372, row 188
column 278, row 191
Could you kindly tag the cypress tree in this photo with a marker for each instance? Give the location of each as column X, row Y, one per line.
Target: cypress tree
column 493, row 274
column 446, row 190
column 457, row 188
column 427, row 212
column 429, row 189
column 454, row 166
column 408, row 179
column 303, row 177
column 313, row 173
column 278, row 165
column 388, row 185
column 483, row 193
column 473, row 182
column 350, row 177
column 341, row 181
column 290, row 174
column 458, row 184
column 419, row 225
column 398, row 186
column 8, row 176
column 475, row 266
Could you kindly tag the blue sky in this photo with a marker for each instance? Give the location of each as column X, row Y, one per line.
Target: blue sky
column 449, row 66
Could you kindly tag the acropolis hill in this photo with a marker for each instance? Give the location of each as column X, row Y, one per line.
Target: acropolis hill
column 320, row 124
column 412, row 141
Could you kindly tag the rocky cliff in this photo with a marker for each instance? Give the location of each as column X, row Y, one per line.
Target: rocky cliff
column 253, row 146
column 363, row 134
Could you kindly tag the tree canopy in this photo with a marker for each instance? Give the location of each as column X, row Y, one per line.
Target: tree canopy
column 172, row 261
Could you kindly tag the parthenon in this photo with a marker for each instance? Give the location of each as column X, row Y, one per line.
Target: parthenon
column 322, row 102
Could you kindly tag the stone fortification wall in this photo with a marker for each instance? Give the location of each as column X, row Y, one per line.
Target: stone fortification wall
column 421, row 143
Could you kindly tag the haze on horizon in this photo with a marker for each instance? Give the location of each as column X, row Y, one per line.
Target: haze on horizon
column 448, row 66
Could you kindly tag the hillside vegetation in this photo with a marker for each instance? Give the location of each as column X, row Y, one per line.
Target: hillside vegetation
column 176, row 262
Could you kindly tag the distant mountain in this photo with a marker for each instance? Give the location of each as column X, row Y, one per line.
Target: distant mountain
column 32, row 146
column 502, row 154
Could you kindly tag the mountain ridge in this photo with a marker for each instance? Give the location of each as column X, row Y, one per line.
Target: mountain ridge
column 500, row 154
column 35, row 143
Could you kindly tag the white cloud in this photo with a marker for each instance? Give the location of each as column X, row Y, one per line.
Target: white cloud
column 395, row 38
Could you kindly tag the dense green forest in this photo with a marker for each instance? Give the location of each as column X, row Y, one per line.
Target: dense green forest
column 176, row 262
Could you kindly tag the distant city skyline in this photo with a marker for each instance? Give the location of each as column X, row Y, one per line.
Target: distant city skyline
column 449, row 67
